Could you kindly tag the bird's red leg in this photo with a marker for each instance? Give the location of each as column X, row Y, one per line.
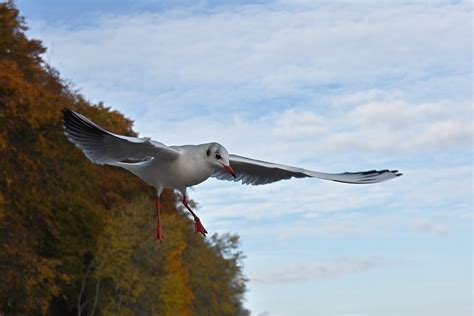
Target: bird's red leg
column 198, row 227
column 159, row 233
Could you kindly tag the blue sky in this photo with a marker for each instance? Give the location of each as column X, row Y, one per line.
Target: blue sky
column 327, row 86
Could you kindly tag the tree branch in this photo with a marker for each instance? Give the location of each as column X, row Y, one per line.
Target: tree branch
column 97, row 285
column 83, row 285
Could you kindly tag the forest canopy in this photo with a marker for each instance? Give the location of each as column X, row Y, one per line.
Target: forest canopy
column 77, row 238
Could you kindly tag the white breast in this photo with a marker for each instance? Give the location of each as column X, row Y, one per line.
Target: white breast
column 189, row 169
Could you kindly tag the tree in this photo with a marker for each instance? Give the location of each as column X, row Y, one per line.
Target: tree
column 77, row 238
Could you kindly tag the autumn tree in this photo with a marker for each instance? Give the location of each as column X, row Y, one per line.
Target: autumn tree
column 77, row 238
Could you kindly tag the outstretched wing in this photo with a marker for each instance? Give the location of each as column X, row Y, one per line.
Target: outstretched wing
column 258, row 172
column 103, row 147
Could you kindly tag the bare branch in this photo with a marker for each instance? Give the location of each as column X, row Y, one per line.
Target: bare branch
column 97, row 285
column 83, row 285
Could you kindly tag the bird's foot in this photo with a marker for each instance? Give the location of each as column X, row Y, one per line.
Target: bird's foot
column 159, row 233
column 198, row 227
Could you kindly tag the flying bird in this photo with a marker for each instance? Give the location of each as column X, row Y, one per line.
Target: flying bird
column 179, row 167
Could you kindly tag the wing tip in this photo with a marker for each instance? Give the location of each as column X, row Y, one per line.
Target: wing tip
column 369, row 177
column 66, row 110
column 68, row 115
column 396, row 173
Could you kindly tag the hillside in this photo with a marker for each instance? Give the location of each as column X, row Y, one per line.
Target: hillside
column 77, row 238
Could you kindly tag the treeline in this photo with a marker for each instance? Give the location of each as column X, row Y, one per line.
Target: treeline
column 76, row 238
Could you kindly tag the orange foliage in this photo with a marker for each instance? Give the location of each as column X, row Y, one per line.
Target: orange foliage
column 60, row 214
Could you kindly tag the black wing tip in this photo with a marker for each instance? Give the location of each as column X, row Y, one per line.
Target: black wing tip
column 66, row 119
column 76, row 124
column 68, row 116
column 371, row 176
column 396, row 172
column 66, row 110
column 370, row 173
column 367, row 172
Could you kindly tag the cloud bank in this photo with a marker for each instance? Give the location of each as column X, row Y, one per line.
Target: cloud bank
column 315, row 271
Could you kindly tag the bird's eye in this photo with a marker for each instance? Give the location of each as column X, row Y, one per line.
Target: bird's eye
column 218, row 156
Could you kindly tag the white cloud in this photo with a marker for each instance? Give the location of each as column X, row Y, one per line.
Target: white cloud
column 327, row 86
column 307, row 272
column 187, row 76
column 293, row 124
column 183, row 58
column 192, row 77
column 374, row 129
column 312, row 208
column 397, row 125
column 424, row 225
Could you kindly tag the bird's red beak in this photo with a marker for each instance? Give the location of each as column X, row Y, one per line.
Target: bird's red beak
column 230, row 170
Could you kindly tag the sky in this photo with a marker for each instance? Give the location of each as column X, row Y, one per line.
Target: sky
column 328, row 86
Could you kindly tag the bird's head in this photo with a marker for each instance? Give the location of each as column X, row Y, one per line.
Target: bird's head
column 219, row 157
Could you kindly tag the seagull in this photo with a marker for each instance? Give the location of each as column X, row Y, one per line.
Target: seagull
column 180, row 167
